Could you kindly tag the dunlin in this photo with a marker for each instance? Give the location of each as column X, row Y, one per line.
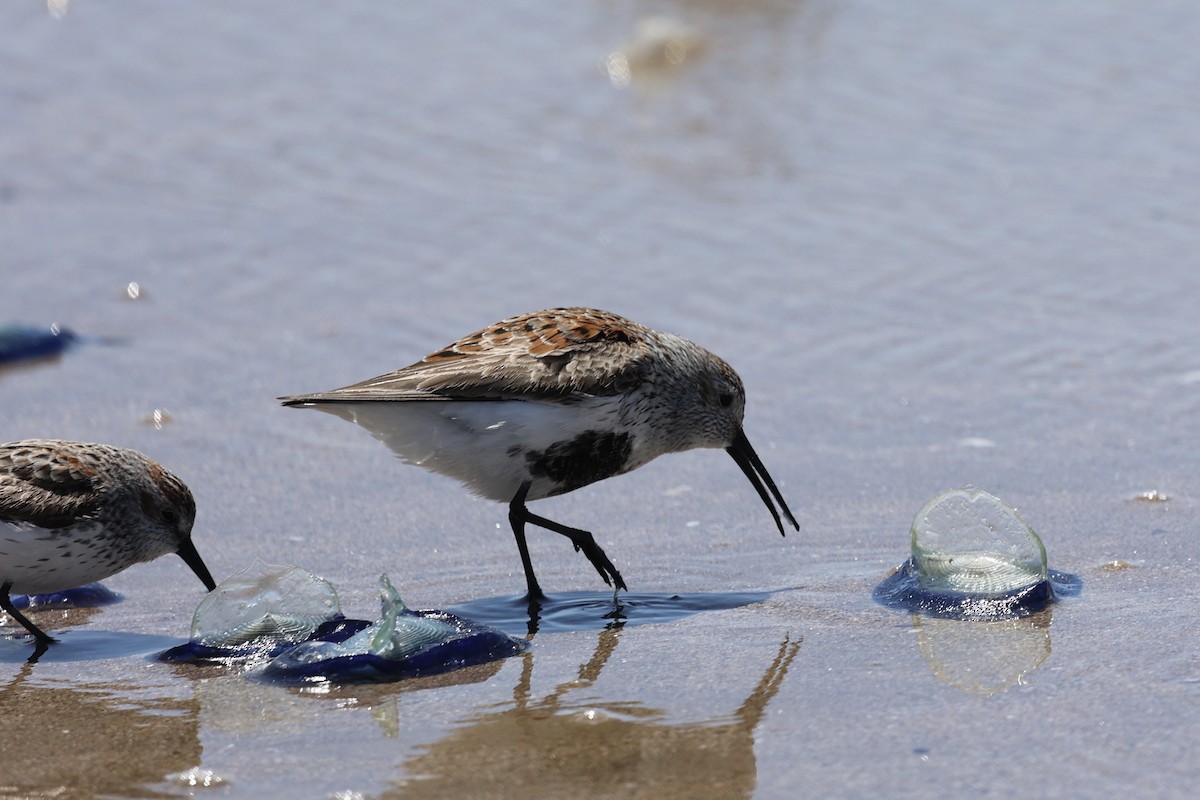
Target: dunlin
column 73, row 512
column 547, row 402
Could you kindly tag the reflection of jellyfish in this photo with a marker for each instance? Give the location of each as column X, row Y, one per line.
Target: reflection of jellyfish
column 76, row 741
column 224, row 699
column 983, row 657
column 549, row 748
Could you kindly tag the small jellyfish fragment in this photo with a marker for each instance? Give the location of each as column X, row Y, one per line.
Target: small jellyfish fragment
column 26, row 342
column 90, row 595
column 973, row 557
column 283, row 606
column 401, row 644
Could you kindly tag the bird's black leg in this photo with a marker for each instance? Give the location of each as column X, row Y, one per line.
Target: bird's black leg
column 583, row 540
column 6, row 603
column 518, row 515
column 516, row 518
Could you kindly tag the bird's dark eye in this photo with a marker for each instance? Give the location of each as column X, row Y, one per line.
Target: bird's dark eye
column 170, row 517
column 726, row 399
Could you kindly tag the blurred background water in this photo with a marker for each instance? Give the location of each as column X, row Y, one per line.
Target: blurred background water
column 942, row 243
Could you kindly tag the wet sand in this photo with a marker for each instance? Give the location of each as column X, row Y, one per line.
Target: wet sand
column 941, row 246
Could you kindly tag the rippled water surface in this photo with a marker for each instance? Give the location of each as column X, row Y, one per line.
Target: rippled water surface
column 942, row 243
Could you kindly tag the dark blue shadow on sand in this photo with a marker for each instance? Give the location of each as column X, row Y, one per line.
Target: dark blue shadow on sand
column 593, row 611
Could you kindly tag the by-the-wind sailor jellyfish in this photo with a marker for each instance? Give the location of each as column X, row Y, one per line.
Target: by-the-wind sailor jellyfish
column 257, row 613
column 286, row 605
column 26, row 342
column 403, row 643
column 972, row 557
column 966, row 540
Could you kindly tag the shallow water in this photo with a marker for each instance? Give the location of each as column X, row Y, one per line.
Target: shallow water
column 942, row 245
column 585, row 611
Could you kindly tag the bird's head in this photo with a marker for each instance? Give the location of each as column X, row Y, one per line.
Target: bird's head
column 170, row 511
column 712, row 407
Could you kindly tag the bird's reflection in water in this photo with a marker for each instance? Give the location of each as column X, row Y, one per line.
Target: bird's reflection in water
column 983, row 658
column 91, row 740
column 551, row 747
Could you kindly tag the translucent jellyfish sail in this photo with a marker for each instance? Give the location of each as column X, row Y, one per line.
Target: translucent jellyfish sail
column 271, row 605
column 966, row 540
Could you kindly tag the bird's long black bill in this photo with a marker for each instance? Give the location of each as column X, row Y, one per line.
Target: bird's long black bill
column 187, row 551
column 748, row 460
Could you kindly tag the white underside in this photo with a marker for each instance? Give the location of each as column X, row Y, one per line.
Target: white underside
column 38, row 561
column 484, row 443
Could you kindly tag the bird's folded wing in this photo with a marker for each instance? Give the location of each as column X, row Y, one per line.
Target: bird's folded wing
column 48, row 491
column 554, row 363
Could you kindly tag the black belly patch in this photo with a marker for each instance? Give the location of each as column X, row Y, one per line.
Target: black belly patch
column 589, row 457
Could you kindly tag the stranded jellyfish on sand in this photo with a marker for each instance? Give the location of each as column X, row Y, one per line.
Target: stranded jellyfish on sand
column 281, row 607
column 973, row 557
column 292, row 620
column 402, row 643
